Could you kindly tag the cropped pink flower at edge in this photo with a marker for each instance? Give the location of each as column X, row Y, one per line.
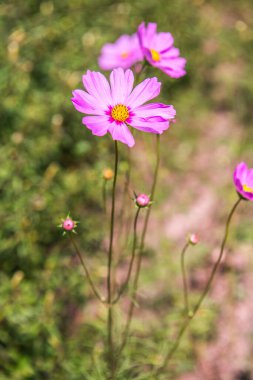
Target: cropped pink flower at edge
column 115, row 106
column 124, row 53
column 243, row 180
column 159, row 51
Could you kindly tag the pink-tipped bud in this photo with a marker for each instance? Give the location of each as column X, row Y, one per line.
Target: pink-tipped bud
column 193, row 239
column 68, row 224
column 142, row 200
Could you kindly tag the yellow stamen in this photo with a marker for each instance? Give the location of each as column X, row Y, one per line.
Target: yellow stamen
column 124, row 55
column 120, row 112
column 155, row 55
column 247, row 189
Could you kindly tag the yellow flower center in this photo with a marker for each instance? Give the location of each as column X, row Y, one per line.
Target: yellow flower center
column 120, row 112
column 124, row 55
column 155, row 55
column 247, row 189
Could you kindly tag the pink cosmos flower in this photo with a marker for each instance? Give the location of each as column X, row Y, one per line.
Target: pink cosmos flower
column 124, row 53
column 159, row 51
column 115, row 106
column 243, row 180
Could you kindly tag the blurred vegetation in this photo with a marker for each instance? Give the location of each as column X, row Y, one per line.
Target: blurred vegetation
column 51, row 164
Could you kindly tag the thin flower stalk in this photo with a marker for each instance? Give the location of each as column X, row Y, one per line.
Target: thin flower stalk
column 123, row 216
column 95, row 291
column 109, row 274
column 139, row 259
column 142, row 71
column 191, row 315
column 126, row 282
column 104, row 194
column 185, row 287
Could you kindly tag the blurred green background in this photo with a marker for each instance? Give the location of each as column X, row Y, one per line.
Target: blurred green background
column 50, row 326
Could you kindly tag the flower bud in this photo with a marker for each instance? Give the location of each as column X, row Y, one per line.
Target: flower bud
column 193, row 239
column 107, row 174
column 68, row 225
column 142, row 200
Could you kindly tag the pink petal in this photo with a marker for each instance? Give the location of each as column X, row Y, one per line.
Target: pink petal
column 153, row 124
column 151, row 29
column 174, row 67
column 170, row 53
column 146, row 34
column 167, row 112
column 97, row 85
column 249, row 178
column 121, row 85
column 147, row 90
column 162, row 42
column 240, row 172
column 121, row 133
column 99, row 125
column 86, row 103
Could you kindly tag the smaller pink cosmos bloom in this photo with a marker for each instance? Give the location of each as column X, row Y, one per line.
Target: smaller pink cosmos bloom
column 193, row 239
column 159, row 51
column 124, row 53
column 142, row 200
column 116, row 106
column 243, row 180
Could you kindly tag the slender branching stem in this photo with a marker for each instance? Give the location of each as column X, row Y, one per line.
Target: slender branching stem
column 186, row 301
column 142, row 243
column 126, row 282
column 95, row 291
column 111, row 360
column 191, row 315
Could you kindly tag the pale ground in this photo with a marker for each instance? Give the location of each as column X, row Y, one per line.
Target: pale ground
column 230, row 355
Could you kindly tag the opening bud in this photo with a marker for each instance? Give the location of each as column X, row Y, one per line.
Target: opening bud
column 68, row 225
column 193, row 239
column 142, row 200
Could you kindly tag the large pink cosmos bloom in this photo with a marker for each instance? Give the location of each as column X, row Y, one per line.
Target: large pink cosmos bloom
column 124, row 53
column 115, row 106
column 243, row 180
column 159, row 51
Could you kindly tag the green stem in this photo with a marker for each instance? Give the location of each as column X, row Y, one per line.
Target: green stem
column 125, row 284
column 138, row 268
column 142, row 70
column 187, row 321
column 186, row 301
column 124, row 218
column 109, row 274
column 125, row 193
column 96, row 293
column 104, row 194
